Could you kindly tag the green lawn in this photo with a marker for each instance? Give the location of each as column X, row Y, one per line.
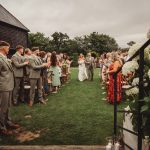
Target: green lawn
column 75, row 115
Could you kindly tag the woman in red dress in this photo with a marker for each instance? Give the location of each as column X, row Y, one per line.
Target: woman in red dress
column 116, row 64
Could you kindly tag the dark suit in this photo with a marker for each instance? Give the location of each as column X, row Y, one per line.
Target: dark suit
column 6, row 87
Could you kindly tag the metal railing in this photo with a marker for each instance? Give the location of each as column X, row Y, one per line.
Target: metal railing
column 140, row 52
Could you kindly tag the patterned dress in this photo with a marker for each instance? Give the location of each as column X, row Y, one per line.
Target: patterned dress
column 110, row 89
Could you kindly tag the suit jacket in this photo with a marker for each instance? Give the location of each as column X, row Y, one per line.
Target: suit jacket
column 89, row 63
column 27, row 68
column 35, row 67
column 6, row 75
column 17, row 63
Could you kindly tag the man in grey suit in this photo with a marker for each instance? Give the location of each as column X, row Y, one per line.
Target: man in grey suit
column 27, row 56
column 18, row 63
column 6, row 87
column 35, row 76
column 89, row 64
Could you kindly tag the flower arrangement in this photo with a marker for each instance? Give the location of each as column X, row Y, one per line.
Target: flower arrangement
column 135, row 81
column 132, row 91
column 130, row 67
column 147, row 53
column 149, row 73
column 133, row 49
column 147, row 140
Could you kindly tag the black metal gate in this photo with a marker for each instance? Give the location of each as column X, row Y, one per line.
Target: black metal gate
column 140, row 52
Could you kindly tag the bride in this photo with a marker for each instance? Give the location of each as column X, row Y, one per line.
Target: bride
column 82, row 75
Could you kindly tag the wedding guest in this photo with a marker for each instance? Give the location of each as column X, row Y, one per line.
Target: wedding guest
column 61, row 69
column 27, row 53
column 116, row 64
column 48, row 57
column 18, row 63
column 60, row 62
column 27, row 57
column 108, row 57
column 124, row 56
column 104, row 71
column 44, row 74
column 64, row 63
column 35, row 76
column 100, row 61
column 6, row 88
column 69, row 61
column 56, row 74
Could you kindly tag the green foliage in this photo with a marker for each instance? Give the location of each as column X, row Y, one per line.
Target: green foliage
column 74, row 57
column 39, row 39
column 131, row 43
column 146, row 120
column 61, row 42
column 94, row 54
column 147, row 63
column 145, row 109
column 134, row 106
column 70, row 47
column 100, row 42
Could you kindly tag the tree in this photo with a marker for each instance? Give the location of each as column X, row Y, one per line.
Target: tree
column 81, row 45
column 59, row 40
column 131, row 43
column 62, row 43
column 100, row 42
column 39, row 39
column 70, row 46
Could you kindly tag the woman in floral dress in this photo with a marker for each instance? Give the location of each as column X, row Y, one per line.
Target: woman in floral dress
column 56, row 73
column 116, row 64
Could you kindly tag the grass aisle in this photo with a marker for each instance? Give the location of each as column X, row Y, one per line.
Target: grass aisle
column 76, row 115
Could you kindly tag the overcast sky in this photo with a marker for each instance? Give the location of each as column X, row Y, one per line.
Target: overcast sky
column 125, row 20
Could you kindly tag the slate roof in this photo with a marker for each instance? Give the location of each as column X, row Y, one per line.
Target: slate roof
column 7, row 17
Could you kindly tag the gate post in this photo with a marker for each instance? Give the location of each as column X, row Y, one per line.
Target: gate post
column 141, row 96
column 115, row 105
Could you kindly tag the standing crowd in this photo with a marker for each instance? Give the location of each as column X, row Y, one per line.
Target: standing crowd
column 109, row 64
column 28, row 76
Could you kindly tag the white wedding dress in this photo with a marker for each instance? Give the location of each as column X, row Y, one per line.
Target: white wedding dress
column 82, row 71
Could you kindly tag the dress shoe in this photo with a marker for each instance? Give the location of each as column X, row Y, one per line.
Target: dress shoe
column 6, row 132
column 46, row 99
column 30, row 104
column 15, row 104
column 42, row 102
column 54, row 92
column 45, row 94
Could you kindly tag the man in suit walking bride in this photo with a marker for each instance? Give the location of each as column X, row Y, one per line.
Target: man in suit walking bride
column 89, row 64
